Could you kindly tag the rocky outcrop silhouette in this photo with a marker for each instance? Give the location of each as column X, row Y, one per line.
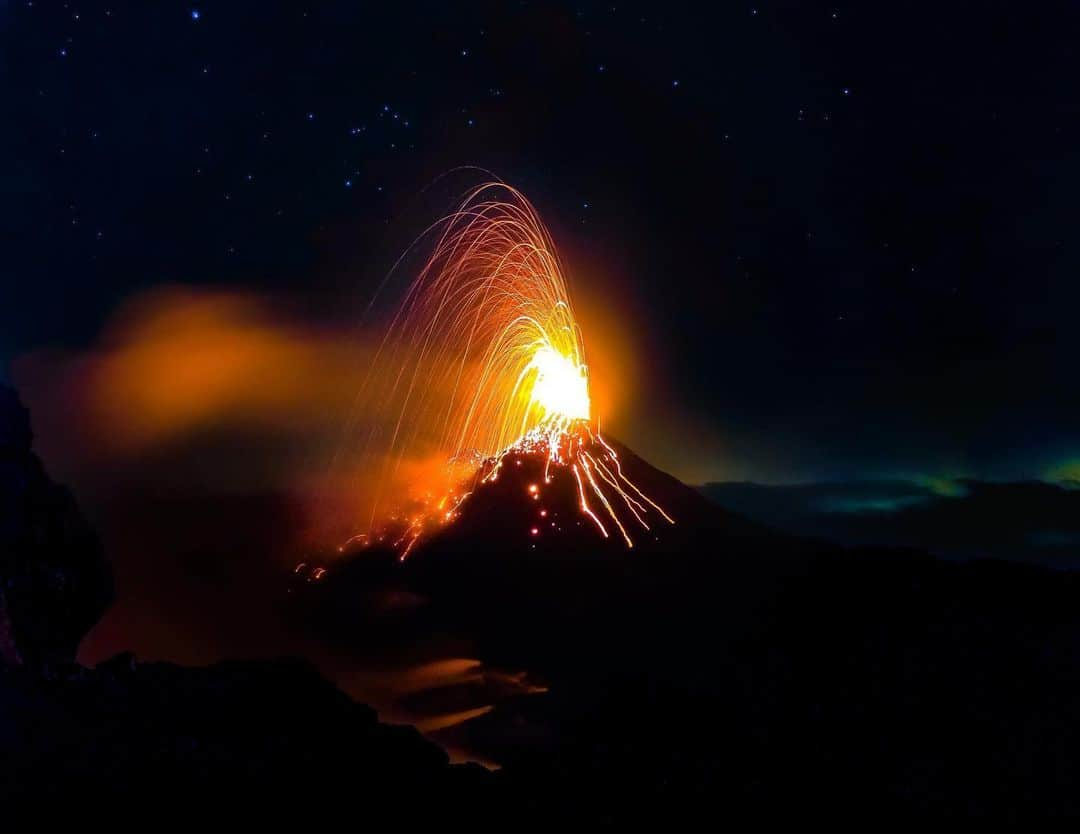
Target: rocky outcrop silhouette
column 54, row 580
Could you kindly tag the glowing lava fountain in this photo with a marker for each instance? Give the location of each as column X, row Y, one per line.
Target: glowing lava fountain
column 484, row 357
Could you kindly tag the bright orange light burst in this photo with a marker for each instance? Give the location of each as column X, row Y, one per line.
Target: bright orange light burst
column 484, row 356
column 561, row 388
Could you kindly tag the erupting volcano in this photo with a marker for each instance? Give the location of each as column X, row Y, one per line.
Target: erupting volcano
column 484, row 361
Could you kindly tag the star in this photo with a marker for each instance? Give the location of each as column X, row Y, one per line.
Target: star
column 195, row 14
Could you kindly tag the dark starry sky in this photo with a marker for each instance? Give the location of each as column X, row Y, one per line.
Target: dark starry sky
column 846, row 232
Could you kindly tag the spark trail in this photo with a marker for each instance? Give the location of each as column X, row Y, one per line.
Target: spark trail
column 484, row 357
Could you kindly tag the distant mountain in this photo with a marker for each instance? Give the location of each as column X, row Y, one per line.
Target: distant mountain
column 1029, row 521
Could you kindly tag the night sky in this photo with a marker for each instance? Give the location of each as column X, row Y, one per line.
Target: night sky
column 838, row 238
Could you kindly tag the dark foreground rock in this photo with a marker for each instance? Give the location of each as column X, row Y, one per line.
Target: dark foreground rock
column 244, row 734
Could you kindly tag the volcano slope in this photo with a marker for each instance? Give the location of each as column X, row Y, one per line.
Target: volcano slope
column 718, row 665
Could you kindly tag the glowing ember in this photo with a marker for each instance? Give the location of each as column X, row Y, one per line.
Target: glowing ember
column 482, row 362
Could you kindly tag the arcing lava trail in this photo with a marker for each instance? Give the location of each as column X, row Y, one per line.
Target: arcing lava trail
column 482, row 359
